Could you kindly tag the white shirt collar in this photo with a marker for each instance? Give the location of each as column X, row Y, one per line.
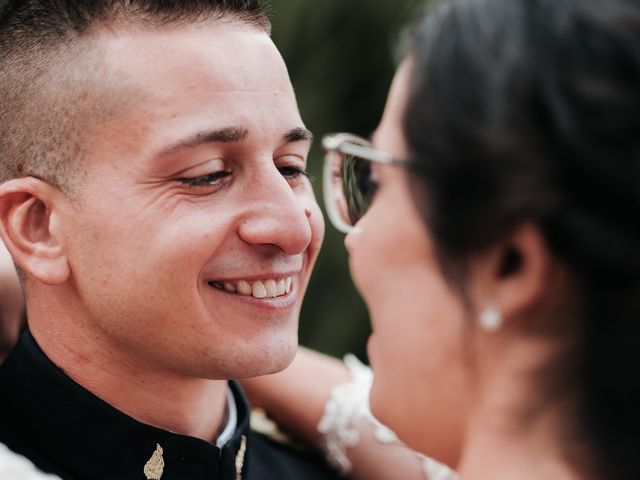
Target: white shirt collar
column 232, row 421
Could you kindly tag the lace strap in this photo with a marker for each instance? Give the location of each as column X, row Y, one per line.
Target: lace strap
column 347, row 408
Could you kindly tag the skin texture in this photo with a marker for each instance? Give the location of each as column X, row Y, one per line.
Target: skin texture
column 118, row 293
column 417, row 321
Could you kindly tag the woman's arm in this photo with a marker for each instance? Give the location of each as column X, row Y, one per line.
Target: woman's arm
column 296, row 399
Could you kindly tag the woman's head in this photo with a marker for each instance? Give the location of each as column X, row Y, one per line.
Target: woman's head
column 523, row 117
column 528, row 112
column 417, row 321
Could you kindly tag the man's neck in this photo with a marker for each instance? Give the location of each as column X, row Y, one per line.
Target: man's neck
column 149, row 394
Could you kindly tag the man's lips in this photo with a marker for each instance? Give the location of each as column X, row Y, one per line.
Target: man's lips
column 264, row 288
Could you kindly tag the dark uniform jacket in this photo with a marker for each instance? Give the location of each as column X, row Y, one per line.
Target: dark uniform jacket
column 66, row 430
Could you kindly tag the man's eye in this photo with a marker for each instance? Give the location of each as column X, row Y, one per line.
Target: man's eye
column 293, row 172
column 207, row 180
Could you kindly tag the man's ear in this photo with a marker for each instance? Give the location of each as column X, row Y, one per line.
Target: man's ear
column 514, row 276
column 30, row 226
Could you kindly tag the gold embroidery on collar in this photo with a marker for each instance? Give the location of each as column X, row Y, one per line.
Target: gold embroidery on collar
column 240, row 457
column 155, row 466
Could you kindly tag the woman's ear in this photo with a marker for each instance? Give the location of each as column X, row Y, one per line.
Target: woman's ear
column 30, row 226
column 512, row 277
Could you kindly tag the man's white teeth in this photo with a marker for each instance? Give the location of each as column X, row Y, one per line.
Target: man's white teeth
column 270, row 288
column 244, row 288
column 258, row 289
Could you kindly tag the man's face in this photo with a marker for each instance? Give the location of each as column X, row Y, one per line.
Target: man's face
column 193, row 199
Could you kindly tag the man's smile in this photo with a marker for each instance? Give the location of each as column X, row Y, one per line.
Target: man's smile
column 266, row 288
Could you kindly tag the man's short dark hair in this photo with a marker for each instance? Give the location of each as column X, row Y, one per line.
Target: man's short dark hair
column 48, row 73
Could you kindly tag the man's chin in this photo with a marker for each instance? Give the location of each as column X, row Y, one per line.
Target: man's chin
column 268, row 361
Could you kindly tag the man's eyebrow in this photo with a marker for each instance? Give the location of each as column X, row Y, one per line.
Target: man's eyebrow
column 221, row 135
column 298, row 134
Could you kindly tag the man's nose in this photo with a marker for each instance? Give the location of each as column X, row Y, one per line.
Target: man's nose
column 277, row 217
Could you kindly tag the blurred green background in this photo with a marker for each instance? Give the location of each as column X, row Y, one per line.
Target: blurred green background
column 341, row 57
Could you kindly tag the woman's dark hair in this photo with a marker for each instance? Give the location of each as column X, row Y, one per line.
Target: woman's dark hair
column 529, row 111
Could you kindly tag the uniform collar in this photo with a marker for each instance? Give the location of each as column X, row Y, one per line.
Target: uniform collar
column 231, row 421
column 83, row 437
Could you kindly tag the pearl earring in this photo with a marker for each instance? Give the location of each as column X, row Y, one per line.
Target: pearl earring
column 491, row 319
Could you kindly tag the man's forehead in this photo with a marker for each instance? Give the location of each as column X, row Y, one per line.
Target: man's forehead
column 226, row 59
column 187, row 88
column 225, row 44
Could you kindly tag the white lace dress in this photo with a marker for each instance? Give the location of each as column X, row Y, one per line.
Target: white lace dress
column 16, row 467
column 347, row 407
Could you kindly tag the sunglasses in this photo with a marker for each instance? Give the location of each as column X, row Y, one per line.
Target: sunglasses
column 348, row 185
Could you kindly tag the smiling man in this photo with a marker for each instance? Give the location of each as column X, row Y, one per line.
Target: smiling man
column 156, row 203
